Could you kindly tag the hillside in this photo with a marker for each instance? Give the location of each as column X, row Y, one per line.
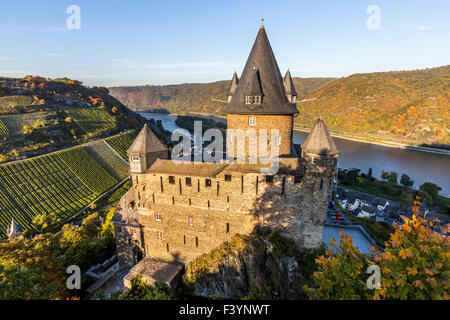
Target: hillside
column 409, row 107
column 39, row 115
column 406, row 106
column 196, row 97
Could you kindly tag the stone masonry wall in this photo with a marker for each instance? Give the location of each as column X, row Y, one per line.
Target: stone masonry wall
column 283, row 123
column 296, row 207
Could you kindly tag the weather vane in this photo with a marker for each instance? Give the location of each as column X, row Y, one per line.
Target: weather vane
column 262, row 22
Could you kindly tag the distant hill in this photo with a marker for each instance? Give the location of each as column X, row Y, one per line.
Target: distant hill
column 39, row 115
column 192, row 97
column 401, row 106
column 406, row 106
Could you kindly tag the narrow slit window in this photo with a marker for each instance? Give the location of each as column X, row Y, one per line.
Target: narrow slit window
column 196, row 242
column 228, row 228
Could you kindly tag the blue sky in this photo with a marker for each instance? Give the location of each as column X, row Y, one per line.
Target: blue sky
column 166, row 42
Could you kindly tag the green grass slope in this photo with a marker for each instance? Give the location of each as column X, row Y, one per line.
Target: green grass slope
column 84, row 166
column 108, row 159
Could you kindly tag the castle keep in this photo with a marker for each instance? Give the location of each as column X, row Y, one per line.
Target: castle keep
column 177, row 211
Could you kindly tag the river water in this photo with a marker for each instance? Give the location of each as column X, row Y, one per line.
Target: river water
column 420, row 166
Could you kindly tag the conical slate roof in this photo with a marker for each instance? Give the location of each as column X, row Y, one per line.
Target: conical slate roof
column 13, row 229
column 146, row 142
column 234, row 83
column 253, row 88
column 319, row 140
column 274, row 99
column 289, row 87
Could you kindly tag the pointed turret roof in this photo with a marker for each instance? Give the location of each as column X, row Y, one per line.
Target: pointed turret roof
column 234, row 83
column 269, row 78
column 253, row 87
column 319, row 140
column 289, row 87
column 13, row 229
column 146, row 142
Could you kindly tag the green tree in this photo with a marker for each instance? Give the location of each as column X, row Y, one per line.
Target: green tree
column 17, row 283
column 431, row 188
column 406, row 181
column 393, row 178
column 424, row 195
column 385, row 175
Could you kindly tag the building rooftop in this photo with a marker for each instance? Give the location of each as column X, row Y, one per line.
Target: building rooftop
column 261, row 75
column 146, row 142
column 204, row 169
column 319, row 140
column 155, row 271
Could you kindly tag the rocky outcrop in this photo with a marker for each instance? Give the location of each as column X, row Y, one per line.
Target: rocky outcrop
column 259, row 266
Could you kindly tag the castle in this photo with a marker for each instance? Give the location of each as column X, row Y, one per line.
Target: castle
column 177, row 211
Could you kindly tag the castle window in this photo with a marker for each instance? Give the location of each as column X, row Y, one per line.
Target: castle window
column 277, row 140
column 228, row 177
column 159, row 235
column 188, row 181
column 321, row 184
column 228, row 228
column 121, row 229
column 293, row 99
column 171, row 179
column 196, row 242
column 134, row 158
column 208, row 182
column 253, row 100
column 167, row 246
column 191, row 221
column 269, row 179
column 252, row 121
column 158, row 217
column 184, row 239
column 297, row 179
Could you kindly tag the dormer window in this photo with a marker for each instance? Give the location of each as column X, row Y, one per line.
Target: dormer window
column 253, row 100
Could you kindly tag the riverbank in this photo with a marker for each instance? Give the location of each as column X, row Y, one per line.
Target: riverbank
column 384, row 143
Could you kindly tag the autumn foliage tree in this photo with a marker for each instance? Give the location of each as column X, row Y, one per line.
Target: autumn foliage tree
column 414, row 265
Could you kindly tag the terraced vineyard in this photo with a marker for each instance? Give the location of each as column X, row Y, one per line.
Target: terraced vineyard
column 3, row 129
column 122, row 142
column 92, row 120
column 94, row 176
column 108, row 159
column 14, row 124
column 37, row 186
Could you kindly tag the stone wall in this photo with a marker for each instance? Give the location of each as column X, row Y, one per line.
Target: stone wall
column 283, row 123
column 198, row 217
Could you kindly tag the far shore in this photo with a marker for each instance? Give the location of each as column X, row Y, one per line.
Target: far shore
column 386, row 144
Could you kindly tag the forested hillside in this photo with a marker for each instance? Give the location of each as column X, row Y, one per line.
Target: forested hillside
column 39, row 115
column 195, row 97
column 409, row 106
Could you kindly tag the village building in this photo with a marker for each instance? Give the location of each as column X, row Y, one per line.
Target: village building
column 177, row 211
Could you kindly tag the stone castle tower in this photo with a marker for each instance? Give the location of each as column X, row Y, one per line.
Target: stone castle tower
column 177, row 211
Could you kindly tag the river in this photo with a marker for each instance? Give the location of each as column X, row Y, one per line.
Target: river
column 420, row 166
